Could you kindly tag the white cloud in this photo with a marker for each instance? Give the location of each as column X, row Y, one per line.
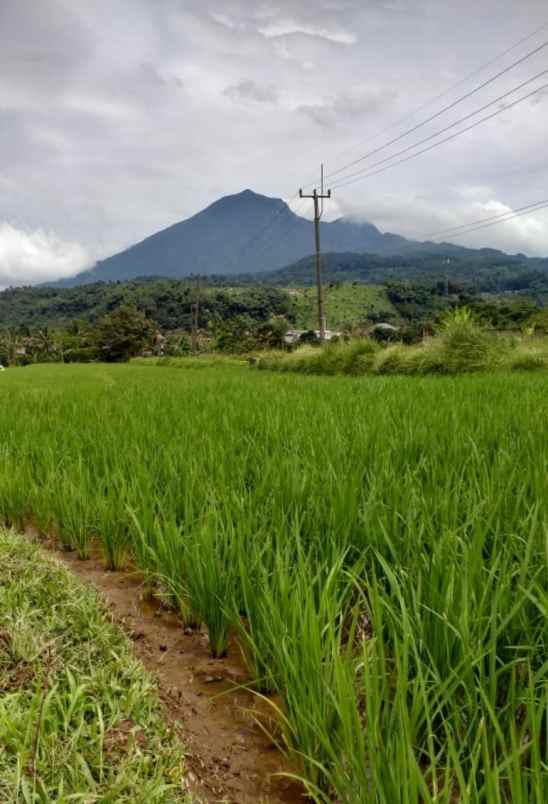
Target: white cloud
column 291, row 27
column 27, row 258
column 422, row 217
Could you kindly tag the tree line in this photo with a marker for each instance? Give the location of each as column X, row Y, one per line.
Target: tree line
column 117, row 321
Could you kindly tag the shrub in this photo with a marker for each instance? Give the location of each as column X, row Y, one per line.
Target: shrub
column 528, row 360
column 85, row 354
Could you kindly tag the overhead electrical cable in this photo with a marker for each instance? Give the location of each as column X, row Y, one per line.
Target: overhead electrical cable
column 441, row 95
column 510, row 217
column 440, row 112
column 495, row 218
column 258, row 236
column 445, row 139
column 342, row 181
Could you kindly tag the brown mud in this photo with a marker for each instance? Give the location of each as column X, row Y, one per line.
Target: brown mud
column 229, row 758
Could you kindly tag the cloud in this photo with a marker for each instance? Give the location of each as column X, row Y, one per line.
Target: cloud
column 28, row 258
column 348, row 105
column 288, row 27
column 251, row 91
column 421, row 218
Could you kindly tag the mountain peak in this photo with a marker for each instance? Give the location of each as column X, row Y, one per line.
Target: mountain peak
column 250, row 196
column 241, row 233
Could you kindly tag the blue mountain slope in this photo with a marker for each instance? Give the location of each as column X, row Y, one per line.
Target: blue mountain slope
column 246, row 233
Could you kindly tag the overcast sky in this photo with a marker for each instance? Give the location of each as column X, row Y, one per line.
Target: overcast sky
column 120, row 117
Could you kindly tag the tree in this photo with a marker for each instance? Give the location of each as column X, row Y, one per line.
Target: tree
column 123, row 333
column 9, row 343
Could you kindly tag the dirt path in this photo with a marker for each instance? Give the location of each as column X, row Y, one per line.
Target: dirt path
column 229, row 758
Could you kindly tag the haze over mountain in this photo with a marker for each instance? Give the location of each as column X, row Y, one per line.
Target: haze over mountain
column 247, row 233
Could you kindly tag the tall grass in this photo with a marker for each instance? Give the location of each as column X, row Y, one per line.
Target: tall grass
column 461, row 346
column 379, row 549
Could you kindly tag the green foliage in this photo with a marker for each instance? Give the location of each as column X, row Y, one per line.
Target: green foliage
column 242, row 334
column 347, row 305
column 539, row 322
column 177, row 344
column 461, row 345
column 235, row 336
column 353, row 358
column 166, row 302
column 123, row 334
column 460, row 269
column 78, row 716
column 378, row 545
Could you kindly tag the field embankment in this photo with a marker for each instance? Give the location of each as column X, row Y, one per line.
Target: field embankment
column 79, row 718
column 377, row 548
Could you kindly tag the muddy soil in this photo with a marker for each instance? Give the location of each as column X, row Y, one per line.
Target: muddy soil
column 229, row 757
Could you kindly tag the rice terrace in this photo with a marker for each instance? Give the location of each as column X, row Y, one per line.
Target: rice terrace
column 375, row 548
column 273, row 402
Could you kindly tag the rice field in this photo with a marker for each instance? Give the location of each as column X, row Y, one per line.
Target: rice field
column 377, row 545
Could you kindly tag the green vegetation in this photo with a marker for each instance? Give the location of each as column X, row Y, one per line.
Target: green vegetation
column 347, row 305
column 461, row 345
column 115, row 321
column 166, row 302
column 79, row 719
column 122, row 334
column 482, row 270
column 378, row 546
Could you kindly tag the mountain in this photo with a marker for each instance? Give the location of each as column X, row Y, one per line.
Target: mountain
column 239, row 234
column 249, row 233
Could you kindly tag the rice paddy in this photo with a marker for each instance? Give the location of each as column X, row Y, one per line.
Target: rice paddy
column 377, row 545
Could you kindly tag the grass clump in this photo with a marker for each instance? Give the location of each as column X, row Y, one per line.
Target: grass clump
column 354, row 358
column 461, row 346
column 79, row 718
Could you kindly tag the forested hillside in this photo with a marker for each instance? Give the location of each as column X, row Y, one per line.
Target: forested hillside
column 480, row 271
column 168, row 302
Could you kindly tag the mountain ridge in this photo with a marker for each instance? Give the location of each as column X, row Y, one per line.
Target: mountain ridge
column 249, row 233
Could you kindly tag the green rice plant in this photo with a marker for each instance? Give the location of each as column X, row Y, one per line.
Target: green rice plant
column 210, row 574
column 378, row 544
column 160, row 552
column 113, row 525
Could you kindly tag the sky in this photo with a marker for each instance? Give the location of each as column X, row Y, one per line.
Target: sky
column 120, row 118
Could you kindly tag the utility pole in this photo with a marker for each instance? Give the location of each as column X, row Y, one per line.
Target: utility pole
column 318, row 212
column 195, row 317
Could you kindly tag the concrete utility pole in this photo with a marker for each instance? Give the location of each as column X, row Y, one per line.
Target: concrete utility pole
column 195, row 317
column 318, row 212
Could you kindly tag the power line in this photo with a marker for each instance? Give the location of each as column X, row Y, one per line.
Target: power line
column 342, row 181
column 267, row 226
column 496, row 218
column 446, row 139
column 270, row 235
column 440, row 112
column 449, row 89
column 510, row 217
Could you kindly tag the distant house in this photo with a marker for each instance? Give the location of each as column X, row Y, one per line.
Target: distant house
column 294, row 336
